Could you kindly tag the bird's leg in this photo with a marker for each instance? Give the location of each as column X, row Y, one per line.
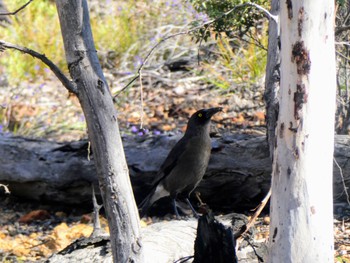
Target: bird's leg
column 175, row 208
column 193, row 210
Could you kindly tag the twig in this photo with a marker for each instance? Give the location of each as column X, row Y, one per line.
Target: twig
column 70, row 85
column 88, row 151
column 17, row 10
column 265, row 11
column 141, row 101
column 343, row 180
column 256, row 214
column 147, row 57
column 96, row 213
column 200, row 44
column 49, row 239
column 7, row 191
column 183, row 259
column 343, row 56
column 260, row 259
column 341, row 29
column 205, row 24
column 345, row 43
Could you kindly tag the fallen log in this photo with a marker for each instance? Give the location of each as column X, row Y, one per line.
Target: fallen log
column 163, row 242
column 237, row 178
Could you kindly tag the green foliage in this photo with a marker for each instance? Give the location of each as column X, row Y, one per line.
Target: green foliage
column 117, row 28
column 340, row 259
column 124, row 32
column 236, row 63
column 30, row 28
column 241, row 40
column 341, row 2
column 240, row 21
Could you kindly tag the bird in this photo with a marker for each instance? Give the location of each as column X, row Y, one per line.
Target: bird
column 185, row 164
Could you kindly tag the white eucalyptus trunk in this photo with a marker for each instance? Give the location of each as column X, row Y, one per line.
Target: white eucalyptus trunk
column 301, row 227
column 101, row 117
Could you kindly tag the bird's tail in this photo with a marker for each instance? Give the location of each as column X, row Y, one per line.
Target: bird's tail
column 155, row 194
column 146, row 204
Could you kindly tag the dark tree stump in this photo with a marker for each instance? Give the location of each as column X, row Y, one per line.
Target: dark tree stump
column 215, row 243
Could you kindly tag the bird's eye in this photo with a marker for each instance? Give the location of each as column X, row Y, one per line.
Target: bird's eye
column 200, row 115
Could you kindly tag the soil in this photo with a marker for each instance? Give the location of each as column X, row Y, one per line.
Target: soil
column 31, row 231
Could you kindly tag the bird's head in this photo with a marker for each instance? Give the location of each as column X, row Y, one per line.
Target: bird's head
column 201, row 118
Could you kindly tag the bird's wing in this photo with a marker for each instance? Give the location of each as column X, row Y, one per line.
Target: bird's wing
column 166, row 168
column 171, row 161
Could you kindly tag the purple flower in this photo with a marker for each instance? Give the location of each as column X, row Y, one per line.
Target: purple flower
column 142, row 132
column 156, row 132
column 134, row 129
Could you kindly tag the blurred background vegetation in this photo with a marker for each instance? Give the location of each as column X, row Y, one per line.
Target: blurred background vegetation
column 228, row 56
column 33, row 104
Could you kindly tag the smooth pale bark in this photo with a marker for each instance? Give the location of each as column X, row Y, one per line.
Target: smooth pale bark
column 101, row 118
column 301, row 227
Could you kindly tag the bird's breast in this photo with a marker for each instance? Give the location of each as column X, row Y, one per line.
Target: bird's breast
column 191, row 165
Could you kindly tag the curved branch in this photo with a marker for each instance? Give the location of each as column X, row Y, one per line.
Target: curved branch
column 70, row 85
column 17, row 10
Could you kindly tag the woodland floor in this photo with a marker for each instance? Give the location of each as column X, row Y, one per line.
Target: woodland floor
column 31, row 231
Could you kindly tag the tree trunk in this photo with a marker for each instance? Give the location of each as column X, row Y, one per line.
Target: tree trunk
column 101, row 117
column 272, row 79
column 301, row 227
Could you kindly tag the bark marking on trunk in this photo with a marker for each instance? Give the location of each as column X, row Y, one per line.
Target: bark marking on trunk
column 289, row 8
column 301, row 56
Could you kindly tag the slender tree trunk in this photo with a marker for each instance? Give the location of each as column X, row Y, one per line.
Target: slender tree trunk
column 272, row 79
column 101, row 117
column 301, row 227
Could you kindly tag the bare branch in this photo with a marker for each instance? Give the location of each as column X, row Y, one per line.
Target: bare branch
column 70, row 85
column 264, row 11
column 341, row 29
column 343, row 56
column 147, row 57
column 17, row 10
column 343, row 181
column 255, row 216
column 344, row 43
column 205, row 24
column 98, row 231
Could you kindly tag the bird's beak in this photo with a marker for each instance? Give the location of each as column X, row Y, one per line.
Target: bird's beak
column 210, row 112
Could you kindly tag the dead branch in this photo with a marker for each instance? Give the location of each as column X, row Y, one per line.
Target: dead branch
column 70, row 85
column 343, row 180
column 17, row 10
